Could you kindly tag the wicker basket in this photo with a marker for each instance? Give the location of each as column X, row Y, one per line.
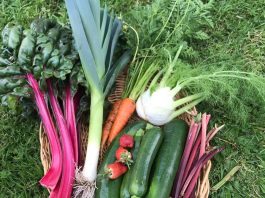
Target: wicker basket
column 203, row 187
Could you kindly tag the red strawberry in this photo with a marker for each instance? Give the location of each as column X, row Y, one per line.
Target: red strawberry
column 126, row 141
column 116, row 169
column 123, row 155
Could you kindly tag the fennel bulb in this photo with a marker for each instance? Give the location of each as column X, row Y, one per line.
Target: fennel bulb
column 160, row 107
column 156, row 107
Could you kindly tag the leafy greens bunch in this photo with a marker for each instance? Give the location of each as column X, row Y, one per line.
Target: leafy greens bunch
column 42, row 61
column 46, row 50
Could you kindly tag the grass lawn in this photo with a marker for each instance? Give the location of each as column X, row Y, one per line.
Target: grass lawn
column 238, row 39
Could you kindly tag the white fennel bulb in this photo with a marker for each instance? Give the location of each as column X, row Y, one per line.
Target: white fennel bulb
column 158, row 107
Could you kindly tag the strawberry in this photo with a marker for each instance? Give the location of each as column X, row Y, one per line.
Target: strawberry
column 115, row 170
column 126, row 141
column 123, row 155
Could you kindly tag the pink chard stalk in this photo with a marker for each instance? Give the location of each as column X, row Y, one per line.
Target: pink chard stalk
column 53, row 175
column 60, row 177
column 64, row 189
column 70, row 110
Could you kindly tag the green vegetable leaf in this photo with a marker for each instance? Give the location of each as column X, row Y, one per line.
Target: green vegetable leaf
column 86, row 56
column 116, row 69
column 96, row 33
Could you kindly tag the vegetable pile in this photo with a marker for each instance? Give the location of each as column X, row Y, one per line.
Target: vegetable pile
column 159, row 154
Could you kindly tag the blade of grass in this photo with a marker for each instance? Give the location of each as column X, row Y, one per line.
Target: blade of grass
column 226, row 178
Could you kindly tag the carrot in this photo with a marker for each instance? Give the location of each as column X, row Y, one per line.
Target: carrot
column 125, row 112
column 109, row 123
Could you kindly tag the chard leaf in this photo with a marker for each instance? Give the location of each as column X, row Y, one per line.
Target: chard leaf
column 9, row 71
column 15, row 37
column 4, row 62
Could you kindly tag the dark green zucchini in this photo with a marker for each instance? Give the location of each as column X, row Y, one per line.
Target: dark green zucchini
column 150, row 144
column 107, row 188
column 167, row 160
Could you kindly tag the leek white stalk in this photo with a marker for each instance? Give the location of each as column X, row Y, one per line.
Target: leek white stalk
column 93, row 145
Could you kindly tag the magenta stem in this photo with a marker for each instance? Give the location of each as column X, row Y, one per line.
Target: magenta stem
column 71, row 121
column 213, row 133
column 67, row 180
column 193, row 158
column 208, row 117
column 195, row 172
column 203, row 135
column 51, row 178
column 191, row 181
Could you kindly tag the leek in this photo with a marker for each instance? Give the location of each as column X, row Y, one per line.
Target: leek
column 96, row 34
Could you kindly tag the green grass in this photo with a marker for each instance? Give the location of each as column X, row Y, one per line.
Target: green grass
column 19, row 157
column 121, row 6
column 245, row 148
column 236, row 41
column 24, row 11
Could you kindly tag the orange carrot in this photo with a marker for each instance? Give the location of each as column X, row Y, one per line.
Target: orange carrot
column 109, row 123
column 126, row 110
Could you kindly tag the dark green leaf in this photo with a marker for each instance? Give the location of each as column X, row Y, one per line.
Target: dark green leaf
column 5, row 34
column 54, row 33
column 115, row 33
column 24, row 91
column 116, row 69
column 15, row 37
column 37, row 60
column 9, row 71
column 42, row 25
column 7, row 85
column 27, row 50
column 4, row 62
column 53, row 62
column 46, row 50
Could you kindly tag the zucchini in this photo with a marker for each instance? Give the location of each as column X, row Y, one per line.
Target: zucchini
column 168, row 159
column 107, row 188
column 124, row 192
column 140, row 173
